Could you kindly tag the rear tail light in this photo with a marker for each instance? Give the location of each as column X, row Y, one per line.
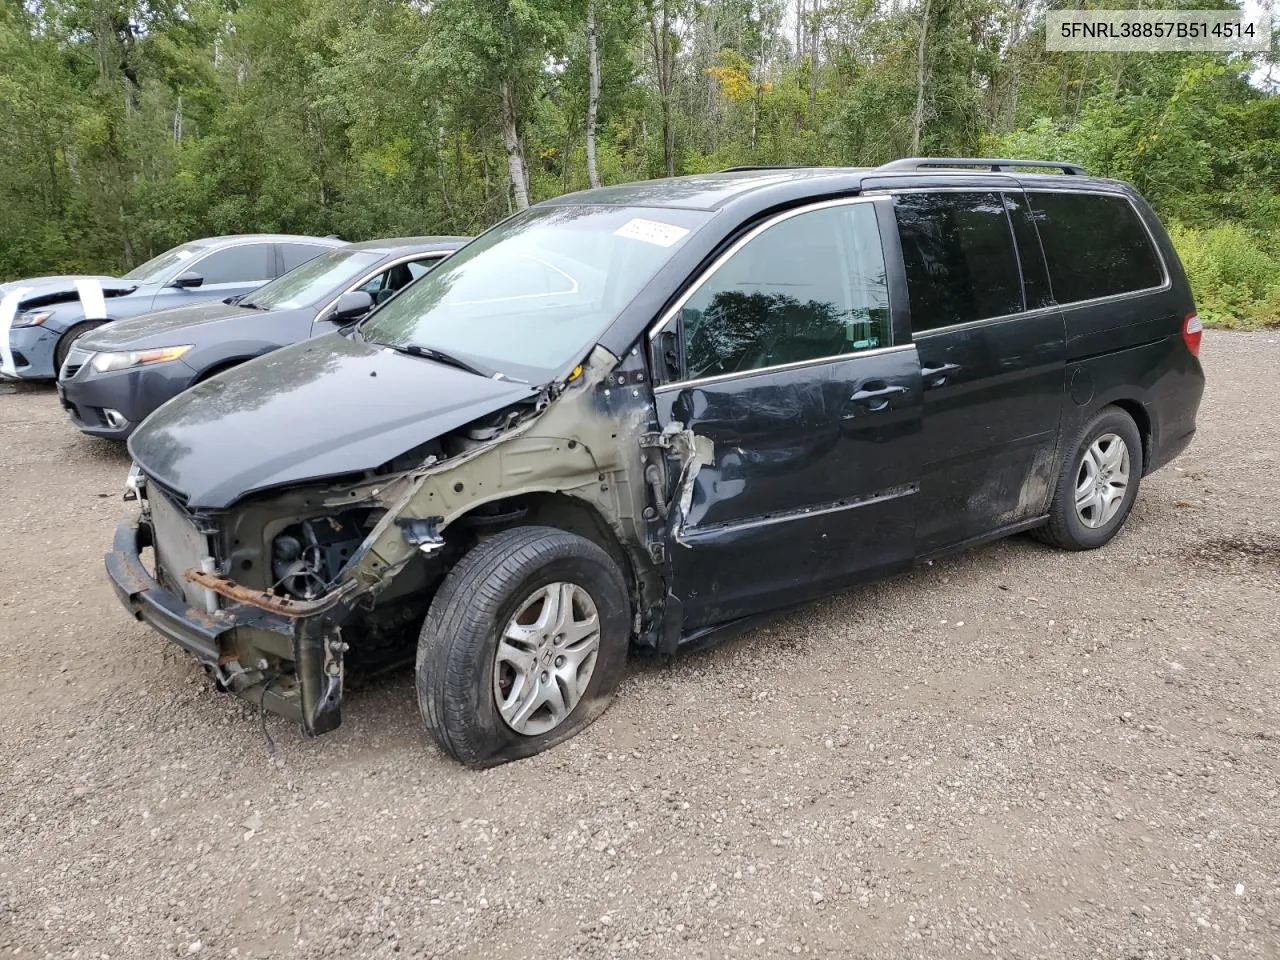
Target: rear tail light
column 1191, row 331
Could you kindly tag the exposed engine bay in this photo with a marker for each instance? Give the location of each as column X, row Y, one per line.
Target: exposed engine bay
column 307, row 581
column 307, row 557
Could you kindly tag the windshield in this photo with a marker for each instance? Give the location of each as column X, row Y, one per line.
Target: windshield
column 320, row 279
column 159, row 268
column 528, row 297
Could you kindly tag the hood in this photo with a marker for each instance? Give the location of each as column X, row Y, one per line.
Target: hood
column 321, row 408
column 161, row 329
column 40, row 291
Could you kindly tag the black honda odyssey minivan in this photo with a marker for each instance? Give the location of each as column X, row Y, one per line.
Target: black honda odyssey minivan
column 649, row 415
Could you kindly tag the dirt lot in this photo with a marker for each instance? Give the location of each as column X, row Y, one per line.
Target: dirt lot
column 1015, row 752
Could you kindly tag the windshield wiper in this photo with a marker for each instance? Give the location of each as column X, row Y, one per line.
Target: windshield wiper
column 439, row 356
column 250, row 305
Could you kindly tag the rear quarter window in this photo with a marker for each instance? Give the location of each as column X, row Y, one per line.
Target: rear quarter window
column 1095, row 246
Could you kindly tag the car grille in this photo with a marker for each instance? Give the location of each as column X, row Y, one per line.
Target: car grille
column 76, row 358
column 179, row 546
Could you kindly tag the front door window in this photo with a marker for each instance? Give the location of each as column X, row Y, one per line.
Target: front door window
column 809, row 287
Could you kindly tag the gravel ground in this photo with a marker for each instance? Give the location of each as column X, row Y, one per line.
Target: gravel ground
column 1015, row 752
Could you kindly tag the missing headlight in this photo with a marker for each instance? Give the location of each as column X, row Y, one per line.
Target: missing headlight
column 306, row 557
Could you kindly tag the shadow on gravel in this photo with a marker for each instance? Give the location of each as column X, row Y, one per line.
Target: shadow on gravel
column 1225, row 552
column 96, row 450
column 26, row 387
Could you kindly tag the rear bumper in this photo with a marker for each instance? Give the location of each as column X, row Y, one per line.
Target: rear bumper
column 1172, row 410
column 210, row 638
column 1169, row 449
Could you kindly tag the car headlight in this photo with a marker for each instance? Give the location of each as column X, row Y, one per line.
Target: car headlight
column 124, row 359
column 32, row 318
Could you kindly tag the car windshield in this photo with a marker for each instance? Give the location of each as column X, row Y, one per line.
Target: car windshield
column 529, row 296
column 320, row 279
column 159, row 268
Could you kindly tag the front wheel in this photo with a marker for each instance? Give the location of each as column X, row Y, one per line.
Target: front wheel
column 522, row 646
column 68, row 340
column 1097, row 484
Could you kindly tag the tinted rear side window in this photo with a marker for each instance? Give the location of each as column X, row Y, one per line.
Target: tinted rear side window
column 246, row 263
column 959, row 257
column 1095, row 245
column 295, row 254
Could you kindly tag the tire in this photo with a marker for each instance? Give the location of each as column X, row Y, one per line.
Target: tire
column 1070, row 528
column 459, row 678
column 68, row 340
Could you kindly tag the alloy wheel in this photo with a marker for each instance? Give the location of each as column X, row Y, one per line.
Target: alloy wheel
column 1102, row 480
column 545, row 658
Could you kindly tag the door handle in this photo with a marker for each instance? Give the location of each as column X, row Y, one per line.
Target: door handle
column 878, row 399
column 937, row 376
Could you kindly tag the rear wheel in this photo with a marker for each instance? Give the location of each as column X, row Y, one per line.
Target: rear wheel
column 1097, row 484
column 68, row 341
column 523, row 645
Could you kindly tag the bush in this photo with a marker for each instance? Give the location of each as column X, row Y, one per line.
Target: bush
column 1233, row 273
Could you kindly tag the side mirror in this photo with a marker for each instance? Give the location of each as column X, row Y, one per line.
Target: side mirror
column 188, row 280
column 351, row 305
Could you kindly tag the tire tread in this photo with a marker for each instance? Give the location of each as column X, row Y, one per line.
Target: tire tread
column 457, row 626
column 1057, row 531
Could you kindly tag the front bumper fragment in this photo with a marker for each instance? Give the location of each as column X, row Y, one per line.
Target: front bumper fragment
column 132, row 395
column 33, row 349
column 196, row 632
column 313, row 691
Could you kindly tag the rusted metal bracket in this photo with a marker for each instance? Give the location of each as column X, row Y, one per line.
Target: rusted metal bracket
column 284, row 606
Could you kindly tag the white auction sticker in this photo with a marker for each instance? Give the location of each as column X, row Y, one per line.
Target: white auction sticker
column 652, row 231
column 92, row 302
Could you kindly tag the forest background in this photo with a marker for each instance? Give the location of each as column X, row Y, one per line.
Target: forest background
column 128, row 127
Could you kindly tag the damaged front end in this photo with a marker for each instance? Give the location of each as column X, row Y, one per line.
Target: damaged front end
column 286, row 594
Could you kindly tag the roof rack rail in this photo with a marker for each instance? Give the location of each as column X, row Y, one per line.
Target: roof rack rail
column 994, row 165
column 763, row 166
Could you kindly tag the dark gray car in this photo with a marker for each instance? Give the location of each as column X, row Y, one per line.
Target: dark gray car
column 41, row 317
column 115, row 377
